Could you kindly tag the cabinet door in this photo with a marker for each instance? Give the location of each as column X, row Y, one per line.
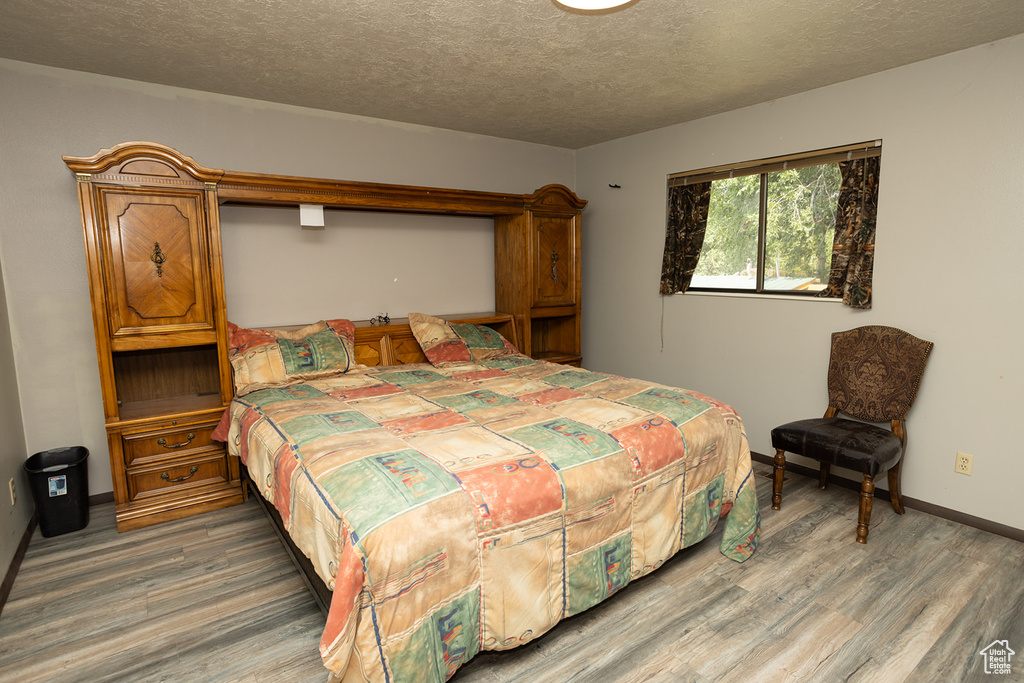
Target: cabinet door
column 157, row 273
column 555, row 261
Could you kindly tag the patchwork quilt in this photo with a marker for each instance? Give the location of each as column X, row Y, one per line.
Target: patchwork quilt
column 474, row 505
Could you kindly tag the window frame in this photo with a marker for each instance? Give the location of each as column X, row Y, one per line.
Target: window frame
column 762, row 167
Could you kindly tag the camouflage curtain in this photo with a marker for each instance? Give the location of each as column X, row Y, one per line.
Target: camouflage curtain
column 684, row 237
column 853, row 249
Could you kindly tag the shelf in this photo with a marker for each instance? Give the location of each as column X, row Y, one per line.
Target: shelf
column 559, row 357
column 552, row 312
column 143, row 376
column 555, row 339
column 174, row 406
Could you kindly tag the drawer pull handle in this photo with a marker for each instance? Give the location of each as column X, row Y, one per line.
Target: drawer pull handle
column 191, row 473
column 163, row 442
column 159, row 258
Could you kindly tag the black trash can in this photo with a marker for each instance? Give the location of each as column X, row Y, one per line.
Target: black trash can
column 59, row 481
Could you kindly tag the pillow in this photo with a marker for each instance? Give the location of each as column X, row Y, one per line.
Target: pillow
column 274, row 357
column 445, row 342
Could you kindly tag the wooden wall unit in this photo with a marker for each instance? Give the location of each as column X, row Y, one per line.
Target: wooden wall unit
column 152, row 242
column 151, row 225
column 537, row 273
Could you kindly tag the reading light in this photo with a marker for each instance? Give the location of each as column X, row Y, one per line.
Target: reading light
column 592, row 4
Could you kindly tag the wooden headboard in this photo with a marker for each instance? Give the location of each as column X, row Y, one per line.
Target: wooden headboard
column 394, row 343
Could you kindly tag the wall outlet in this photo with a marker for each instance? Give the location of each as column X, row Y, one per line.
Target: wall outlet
column 964, row 463
column 14, row 495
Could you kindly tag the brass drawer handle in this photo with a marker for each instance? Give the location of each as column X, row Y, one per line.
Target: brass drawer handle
column 163, row 442
column 166, row 477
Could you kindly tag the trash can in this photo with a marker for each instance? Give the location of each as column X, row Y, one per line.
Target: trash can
column 59, row 481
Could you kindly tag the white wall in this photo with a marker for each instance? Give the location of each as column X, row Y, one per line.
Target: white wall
column 46, row 113
column 950, row 249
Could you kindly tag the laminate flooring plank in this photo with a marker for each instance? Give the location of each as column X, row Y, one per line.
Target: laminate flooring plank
column 792, row 654
column 215, row 598
column 995, row 611
column 164, row 603
column 882, row 578
column 53, row 644
column 661, row 668
column 265, row 645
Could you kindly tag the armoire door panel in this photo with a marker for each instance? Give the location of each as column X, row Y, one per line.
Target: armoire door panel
column 158, row 270
column 555, row 263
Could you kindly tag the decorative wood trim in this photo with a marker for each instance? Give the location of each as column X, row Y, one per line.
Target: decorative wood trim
column 554, row 199
column 127, row 154
column 259, row 188
column 19, row 555
column 924, row 506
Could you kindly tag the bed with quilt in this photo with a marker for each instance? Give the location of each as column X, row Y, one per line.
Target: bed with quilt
column 473, row 501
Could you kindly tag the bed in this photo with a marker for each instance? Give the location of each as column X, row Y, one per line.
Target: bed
column 474, row 500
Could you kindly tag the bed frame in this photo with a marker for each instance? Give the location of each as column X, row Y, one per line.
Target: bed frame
column 375, row 345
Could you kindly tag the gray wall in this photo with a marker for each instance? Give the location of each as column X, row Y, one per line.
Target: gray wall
column 360, row 266
column 950, row 245
column 12, row 444
column 947, row 265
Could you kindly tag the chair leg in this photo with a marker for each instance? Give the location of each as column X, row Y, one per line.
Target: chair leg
column 823, row 474
column 867, row 494
column 780, row 471
column 894, row 488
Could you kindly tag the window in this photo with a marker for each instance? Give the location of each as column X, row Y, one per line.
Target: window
column 770, row 226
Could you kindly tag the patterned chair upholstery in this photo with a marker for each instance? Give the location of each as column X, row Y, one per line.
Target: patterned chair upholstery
column 873, row 376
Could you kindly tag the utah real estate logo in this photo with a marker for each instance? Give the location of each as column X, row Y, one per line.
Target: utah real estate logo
column 997, row 657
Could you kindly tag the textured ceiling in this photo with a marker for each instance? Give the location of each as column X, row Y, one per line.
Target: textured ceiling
column 518, row 69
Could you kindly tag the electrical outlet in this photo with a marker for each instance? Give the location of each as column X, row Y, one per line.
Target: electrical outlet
column 964, row 463
column 14, row 495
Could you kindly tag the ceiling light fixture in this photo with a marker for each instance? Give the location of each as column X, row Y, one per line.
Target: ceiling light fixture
column 592, row 5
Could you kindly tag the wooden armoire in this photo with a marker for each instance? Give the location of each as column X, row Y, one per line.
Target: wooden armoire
column 537, row 273
column 152, row 241
column 152, row 244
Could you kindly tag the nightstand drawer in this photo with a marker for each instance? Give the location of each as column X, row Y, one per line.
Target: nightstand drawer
column 181, row 476
column 175, row 442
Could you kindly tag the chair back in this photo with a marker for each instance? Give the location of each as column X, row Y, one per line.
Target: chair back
column 874, row 372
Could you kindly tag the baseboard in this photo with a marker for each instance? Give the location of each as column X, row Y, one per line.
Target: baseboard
column 101, row 498
column 913, row 503
column 19, row 555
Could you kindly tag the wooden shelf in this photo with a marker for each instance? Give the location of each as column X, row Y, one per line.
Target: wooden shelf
column 175, row 406
column 559, row 357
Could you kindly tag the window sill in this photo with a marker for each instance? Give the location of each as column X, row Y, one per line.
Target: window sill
column 777, row 297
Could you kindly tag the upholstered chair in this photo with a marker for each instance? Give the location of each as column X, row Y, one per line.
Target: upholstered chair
column 873, row 376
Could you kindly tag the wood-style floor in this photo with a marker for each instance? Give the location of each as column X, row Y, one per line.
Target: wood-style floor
column 215, row 598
